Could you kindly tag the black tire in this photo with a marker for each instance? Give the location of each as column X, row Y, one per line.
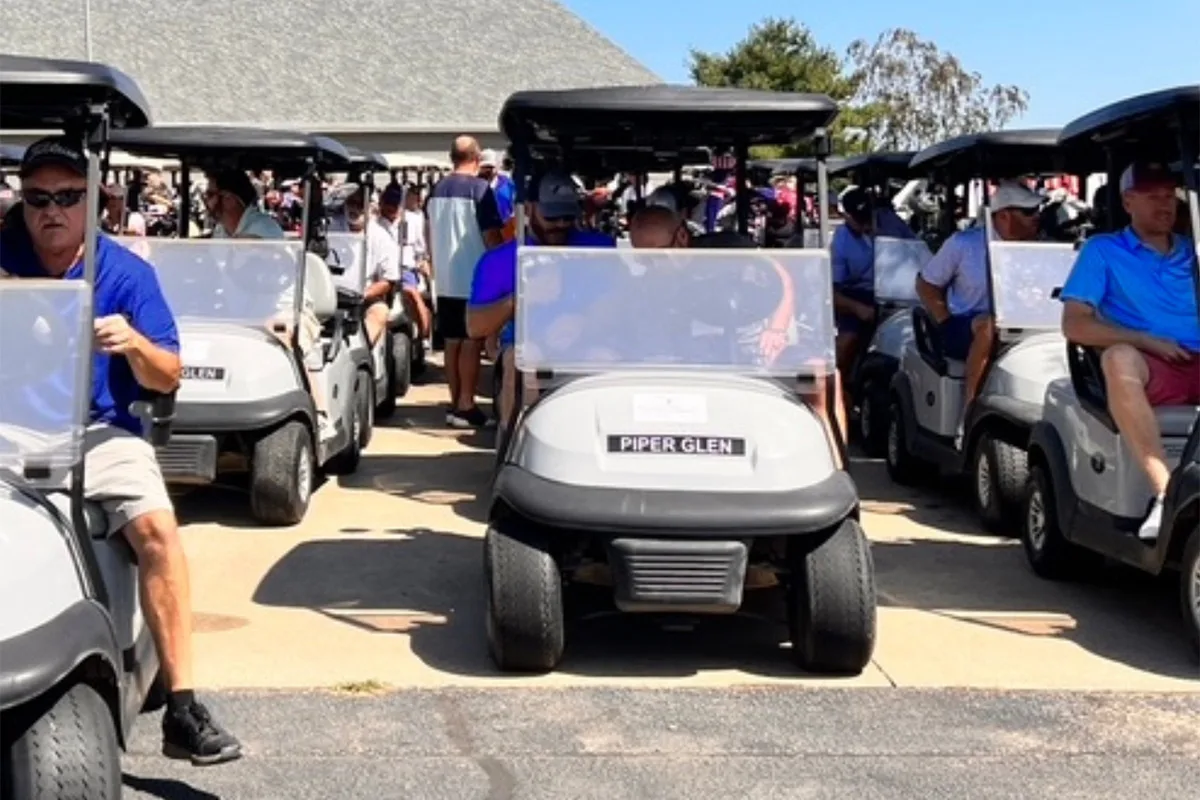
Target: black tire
column 70, row 752
column 1190, row 591
column 831, row 603
column 1004, row 469
column 418, row 360
column 525, row 621
column 1049, row 553
column 873, row 420
column 386, row 406
column 282, row 475
column 366, row 410
column 402, row 358
column 347, row 461
column 902, row 466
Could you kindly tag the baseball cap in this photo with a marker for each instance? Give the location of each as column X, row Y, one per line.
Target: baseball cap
column 1010, row 194
column 856, row 204
column 1144, row 175
column 489, row 158
column 663, row 196
column 393, row 195
column 557, row 196
column 53, row 150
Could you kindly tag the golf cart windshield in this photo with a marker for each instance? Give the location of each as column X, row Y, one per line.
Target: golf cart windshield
column 734, row 311
column 1025, row 277
column 347, row 253
column 897, row 264
column 245, row 281
column 43, row 369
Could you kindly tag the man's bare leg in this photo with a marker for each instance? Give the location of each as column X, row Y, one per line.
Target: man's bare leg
column 1125, row 376
column 165, row 593
column 453, row 369
column 414, row 304
column 375, row 320
column 846, row 346
column 983, row 334
column 469, row 353
column 816, row 395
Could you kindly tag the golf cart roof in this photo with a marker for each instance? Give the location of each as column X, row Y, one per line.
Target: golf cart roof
column 662, row 117
column 994, row 154
column 594, row 163
column 1148, row 119
column 11, row 155
column 876, row 167
column 249, row 148
column 44, row 93
column 804, row 167
column 363, row 158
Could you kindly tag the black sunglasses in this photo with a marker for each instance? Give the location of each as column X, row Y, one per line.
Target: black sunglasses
column 63, row 198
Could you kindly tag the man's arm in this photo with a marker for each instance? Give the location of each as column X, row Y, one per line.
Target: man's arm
column 386, row 269
column 156, row 368
column 935, row 277
column 487, row 214
column 152, row 347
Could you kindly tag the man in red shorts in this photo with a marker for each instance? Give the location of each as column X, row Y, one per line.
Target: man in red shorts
column 1133, row 294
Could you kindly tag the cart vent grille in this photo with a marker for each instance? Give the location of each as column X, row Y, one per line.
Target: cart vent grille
column 678, row 575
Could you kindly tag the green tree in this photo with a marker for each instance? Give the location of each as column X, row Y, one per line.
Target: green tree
column 915, row 94
column 781, row 55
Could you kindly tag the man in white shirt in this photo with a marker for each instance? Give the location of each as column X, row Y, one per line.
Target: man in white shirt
column 414, row 252
column 383, row 263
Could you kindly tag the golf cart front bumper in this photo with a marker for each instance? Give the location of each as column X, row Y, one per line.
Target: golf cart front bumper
column 36, row 660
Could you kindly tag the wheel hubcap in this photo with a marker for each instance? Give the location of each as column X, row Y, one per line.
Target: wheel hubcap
column 1035, row 524
column 1194, row 581
column 983, row 480
column 304, row 475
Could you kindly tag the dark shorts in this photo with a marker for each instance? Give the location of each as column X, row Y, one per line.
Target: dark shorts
column 957, row 335
column 452, row 318
column 1173, row 383
column 848, row 323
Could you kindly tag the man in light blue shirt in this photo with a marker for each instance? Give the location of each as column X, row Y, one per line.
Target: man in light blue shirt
column 1133, row 294
column 953, row 286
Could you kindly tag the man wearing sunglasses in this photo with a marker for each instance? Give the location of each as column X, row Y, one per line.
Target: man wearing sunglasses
column 137, row 345
column 953, row 286
column 552, row 211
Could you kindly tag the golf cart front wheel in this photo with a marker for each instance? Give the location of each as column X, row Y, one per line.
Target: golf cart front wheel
column 1050, row 554
column 831, row 607
column 401, row 355
column 282, row 475
column 873, row 420
column 999, row 477
column 69, row 752
column 1190, row 585
column 387, row 404
column 525, row 621
column 902, row 466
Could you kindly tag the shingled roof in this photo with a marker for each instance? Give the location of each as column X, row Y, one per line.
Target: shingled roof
column 329, row 65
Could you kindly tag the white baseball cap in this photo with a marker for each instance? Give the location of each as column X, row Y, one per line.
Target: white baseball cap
column 489, row 158
column 1010, row 194
column 663, row 196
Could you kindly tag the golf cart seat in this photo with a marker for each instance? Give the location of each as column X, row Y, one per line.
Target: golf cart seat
column 318, row 283
column 1087, row 377
column 97, row 524
column 928, row 339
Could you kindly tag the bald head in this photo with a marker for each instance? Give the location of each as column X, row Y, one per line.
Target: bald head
column 465, row 152
column 656, row 226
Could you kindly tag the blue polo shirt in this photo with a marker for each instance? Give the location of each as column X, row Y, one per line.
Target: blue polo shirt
column 1133, row 285
column 495, row 275
column 853, row 254
column 126, row 285
column 506, row 196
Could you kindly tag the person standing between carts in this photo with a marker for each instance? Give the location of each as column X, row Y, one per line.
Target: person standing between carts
column 953, row 286
column 1133, row 294
column 462, row 223
column 137, row 345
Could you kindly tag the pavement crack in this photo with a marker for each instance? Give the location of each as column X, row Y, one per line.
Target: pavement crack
column 891, row 681
column 502, row 784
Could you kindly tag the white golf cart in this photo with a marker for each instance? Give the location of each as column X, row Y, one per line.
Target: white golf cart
column 1086, row 495
column 927, row 394
column 246, row 402
column 77, row 662
column 661, row 449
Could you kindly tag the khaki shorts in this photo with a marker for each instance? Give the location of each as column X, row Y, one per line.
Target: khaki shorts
column 121, row 475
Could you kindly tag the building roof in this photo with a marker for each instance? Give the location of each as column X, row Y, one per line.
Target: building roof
column 334, row 66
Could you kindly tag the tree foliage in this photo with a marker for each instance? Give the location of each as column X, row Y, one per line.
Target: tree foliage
column 900, row 92
column 919, row 94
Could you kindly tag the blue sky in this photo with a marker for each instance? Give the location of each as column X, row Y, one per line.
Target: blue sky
column 1071, row 56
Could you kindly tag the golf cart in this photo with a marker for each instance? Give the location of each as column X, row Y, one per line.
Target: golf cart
column 1086, row 495
column 77, row 662
column 697, row 473
column 897, row 262
column 246, row 401
column 927, row 393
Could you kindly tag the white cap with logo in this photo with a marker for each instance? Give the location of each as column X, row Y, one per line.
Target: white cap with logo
column 1011, row 194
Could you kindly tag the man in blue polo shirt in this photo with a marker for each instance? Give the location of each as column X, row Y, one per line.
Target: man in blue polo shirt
column 552, row 212
column 1133, row 294
column 137, row 345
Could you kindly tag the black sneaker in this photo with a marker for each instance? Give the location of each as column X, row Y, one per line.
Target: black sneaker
column 471, row 418
column 192, row 734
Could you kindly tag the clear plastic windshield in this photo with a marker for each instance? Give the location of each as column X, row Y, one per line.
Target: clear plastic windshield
column 346, row 256
column 812, row 236
column 897, row 264
column 247, row 281
column 42, row 375
column 1025, row 276
column 766, row 312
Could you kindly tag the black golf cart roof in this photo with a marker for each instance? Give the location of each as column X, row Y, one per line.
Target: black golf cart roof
column 363, row 158
column 600, row 161
column 662, row 117
column 1153, row 119
column 11, row 155
column 994, row 154
column 245, row 148
column 802, row 167
column 876, row 167
column 45, row 93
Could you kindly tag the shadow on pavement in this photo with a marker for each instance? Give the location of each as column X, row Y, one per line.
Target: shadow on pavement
column 457, row 479
column 940, row 504
column 165, row 788
column 1117, row 614
column 430, row 586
